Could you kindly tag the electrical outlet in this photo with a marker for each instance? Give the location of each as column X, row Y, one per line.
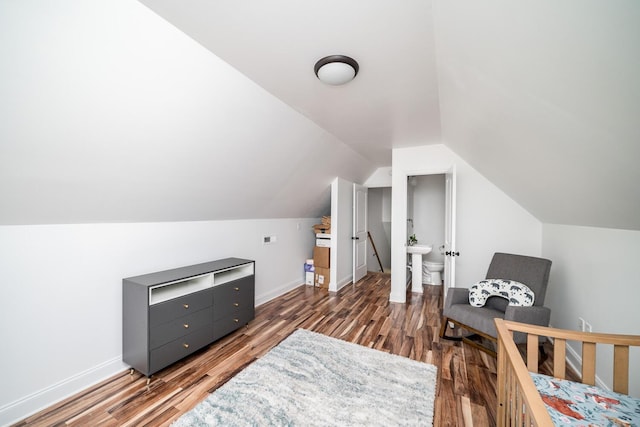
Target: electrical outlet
column 581, row 324
column 267, row 240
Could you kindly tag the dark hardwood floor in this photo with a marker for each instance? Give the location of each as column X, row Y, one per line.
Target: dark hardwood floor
column 359, row 313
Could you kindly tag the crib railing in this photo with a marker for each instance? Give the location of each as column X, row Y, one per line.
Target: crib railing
column 519, row 403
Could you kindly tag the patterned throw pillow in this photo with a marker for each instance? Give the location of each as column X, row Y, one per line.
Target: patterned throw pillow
column 516, row 293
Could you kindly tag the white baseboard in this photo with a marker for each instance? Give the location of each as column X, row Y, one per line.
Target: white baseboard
column 401, row 297
column 344, row 282
column 274, row 293
column 41, row 399
column 398, row 297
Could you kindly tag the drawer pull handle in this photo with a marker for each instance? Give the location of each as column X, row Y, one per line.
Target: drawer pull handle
column 186, row 326
column 185, row 345
column 186, row 306
column 236, row 320
column 235, row 304
column 237, row 289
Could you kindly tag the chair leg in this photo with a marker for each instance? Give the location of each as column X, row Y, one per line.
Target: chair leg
column 443, row 327
column 480, row 347
column 443, row 331
column 542, row 355
column 467, row 339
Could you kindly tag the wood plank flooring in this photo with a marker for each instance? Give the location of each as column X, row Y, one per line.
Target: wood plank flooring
column 359, row 313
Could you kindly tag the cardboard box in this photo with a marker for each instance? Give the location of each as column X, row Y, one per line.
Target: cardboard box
column 323, row 242
column 322, row 228
column 309, row 278
column 321, row 257
column 322, row 277
column 309, row 273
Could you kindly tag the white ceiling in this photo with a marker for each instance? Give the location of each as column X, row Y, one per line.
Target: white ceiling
column 541, row 96
column 393, row 102
column 109, row 113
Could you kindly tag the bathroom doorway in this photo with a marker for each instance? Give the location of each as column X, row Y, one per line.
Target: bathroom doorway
column 426, row 225
column 400, row 224
column 426, row 211
column 431, row 211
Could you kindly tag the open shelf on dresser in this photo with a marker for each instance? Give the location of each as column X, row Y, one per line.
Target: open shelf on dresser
column 168, row 315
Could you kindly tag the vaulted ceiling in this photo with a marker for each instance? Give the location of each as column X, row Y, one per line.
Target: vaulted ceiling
column 111, row 114
column 541, row 96
column 392, row 102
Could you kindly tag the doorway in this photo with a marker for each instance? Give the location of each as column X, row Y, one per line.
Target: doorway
column 426, row 211
column 400, row 235
column 379, row 222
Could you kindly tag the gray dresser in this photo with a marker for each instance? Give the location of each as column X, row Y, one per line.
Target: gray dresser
column 169, row 314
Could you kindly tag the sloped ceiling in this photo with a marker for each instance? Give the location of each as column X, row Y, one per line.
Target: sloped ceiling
column 109, row 113
column 394, row 99
column 541, row 96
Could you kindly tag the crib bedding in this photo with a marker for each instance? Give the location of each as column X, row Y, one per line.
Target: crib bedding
column 575, row 404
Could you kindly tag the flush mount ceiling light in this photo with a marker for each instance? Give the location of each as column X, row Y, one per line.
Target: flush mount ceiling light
column 336, row 69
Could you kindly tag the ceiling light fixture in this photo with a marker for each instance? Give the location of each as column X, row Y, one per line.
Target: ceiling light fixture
column 336, row 69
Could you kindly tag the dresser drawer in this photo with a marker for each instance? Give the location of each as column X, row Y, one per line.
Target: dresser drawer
column 242, row 288
column 228, row 324
column 179, row 348
column 233, row 297
column 179, row 307
column 169, row 331
column 230, row 308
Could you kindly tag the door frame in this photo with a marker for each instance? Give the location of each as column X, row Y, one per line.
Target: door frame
column 399, row 235
column 450, row 231
column 359, row 237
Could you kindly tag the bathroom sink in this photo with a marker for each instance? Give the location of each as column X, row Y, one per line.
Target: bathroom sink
column 419, row 249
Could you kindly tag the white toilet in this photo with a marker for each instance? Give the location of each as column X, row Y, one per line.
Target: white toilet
column 432, row 267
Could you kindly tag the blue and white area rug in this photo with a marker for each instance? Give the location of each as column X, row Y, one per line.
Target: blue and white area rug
column 310, row 379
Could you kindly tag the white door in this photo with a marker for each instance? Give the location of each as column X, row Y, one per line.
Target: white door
column 450, row 231
column 359, row 232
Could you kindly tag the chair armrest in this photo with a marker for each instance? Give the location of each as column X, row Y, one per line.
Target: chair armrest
column 535, row 315
column 456, row 296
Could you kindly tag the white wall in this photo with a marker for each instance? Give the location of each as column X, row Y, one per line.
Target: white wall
column 62, row 292
column 542, row 97
column 487, row 220
column 410, row 224
column 380, row 230
column 386, row 204
column 428, row 211
column 381, row 177
column 386, row 219
column 595, row 276
column 379, row 223
column 111, row 114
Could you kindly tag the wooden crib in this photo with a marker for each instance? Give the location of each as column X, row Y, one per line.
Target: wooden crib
column 519, row 401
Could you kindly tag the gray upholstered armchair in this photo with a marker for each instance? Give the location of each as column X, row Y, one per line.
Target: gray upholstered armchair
column 530, row 271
